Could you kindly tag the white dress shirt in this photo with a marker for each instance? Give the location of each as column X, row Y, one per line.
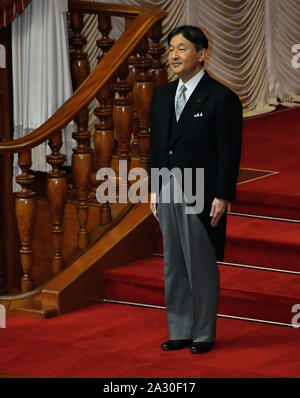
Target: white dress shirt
column 190, row 85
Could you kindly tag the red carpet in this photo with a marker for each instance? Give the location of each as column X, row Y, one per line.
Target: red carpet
column 244, row 292
column 268, row 243
column 271, row 142
column 123, row 341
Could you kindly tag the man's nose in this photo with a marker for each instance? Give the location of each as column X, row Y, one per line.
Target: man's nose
column 175, row 54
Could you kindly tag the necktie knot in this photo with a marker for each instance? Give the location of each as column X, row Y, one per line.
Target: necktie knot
column 181, row 101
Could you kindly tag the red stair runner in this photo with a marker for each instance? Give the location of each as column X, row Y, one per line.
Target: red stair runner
column 244, row 292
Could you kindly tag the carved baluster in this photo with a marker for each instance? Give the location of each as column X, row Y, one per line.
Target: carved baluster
column 104, row 141
column 104, row 130
column 159, row 69
column 131, row 78
column 135, row 130
column 123, row 116
column 143, row 92
column 56, row 188
column 80, row 67
column 82, row 169
column 105, row 43
column 81, row 158
column 25, row 214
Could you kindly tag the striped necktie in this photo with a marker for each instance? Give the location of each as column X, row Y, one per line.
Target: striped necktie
column 181, row 101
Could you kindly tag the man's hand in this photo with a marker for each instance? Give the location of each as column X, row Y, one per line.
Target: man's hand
column 153, row 204
column 218, row 207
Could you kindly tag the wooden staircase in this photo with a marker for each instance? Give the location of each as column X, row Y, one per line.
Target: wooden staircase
column 67, row 238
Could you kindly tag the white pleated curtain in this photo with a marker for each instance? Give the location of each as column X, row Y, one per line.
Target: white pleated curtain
column 251, row 44
column 41, row 73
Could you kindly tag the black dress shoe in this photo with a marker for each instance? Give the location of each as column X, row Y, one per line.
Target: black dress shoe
column 175, row 344
column 201, row 347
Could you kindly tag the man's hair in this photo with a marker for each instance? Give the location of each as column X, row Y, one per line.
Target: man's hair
column 191, row 33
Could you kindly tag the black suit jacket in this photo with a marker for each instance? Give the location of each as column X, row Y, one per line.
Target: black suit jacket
column 211, row 141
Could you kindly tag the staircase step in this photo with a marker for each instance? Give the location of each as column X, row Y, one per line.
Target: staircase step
column 244, row 292
column 34, row 309
column 263, row 242
column 34, row 312
column 277, row 195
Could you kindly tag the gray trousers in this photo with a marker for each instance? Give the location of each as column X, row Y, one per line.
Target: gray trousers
column 191, row 273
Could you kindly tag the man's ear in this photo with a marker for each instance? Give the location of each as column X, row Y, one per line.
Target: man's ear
column 202, row 54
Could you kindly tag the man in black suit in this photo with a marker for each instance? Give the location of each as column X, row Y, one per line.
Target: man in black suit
column 196, row 123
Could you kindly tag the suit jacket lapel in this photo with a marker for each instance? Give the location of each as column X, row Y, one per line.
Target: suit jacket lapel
column 195, row 102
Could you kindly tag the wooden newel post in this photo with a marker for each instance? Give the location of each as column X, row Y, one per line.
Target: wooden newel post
column 25, row 214
column 57, row 196
column 143, row 92
column 81, row 158
column 159, row 70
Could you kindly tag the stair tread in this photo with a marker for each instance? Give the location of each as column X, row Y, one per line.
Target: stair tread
column 255, row 230
column 149, row 272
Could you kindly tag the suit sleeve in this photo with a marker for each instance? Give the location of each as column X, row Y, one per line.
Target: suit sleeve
column 229, row 120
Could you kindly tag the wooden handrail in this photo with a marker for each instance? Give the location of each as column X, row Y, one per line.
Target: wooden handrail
column 116, row 10
column 120, row 51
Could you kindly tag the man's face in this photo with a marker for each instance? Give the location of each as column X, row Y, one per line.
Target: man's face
column 184, row 60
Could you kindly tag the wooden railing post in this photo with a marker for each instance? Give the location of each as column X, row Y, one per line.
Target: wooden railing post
column 81, row 158
column 135, row 130
column 132, row 74
column 104, row 141
column 123, row 122
column 123, row 114
column 56, row 189
column 143, row 92
column 104, row 130
column 159, row 70
column 105, row 42
column 25, row 214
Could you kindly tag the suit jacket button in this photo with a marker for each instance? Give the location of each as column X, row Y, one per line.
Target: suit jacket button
column 170, row 153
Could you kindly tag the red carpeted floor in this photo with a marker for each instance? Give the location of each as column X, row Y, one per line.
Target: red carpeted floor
column 109, row 341
column 112, row 340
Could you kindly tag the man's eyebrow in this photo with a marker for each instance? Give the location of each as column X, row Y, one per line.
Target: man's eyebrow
column 180, row 44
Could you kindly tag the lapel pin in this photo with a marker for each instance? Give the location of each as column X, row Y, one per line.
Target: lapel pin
column 198, row 100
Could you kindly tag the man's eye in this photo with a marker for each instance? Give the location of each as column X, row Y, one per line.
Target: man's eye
column 182, row 49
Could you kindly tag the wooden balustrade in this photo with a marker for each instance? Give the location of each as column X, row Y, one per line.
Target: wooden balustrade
column 25, row 213
column 123, row 84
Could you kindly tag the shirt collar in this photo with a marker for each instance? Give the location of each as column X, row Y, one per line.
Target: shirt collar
column 192, row 83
